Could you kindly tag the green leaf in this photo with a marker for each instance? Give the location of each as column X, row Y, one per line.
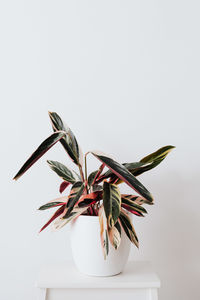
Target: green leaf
column 159, row 154
column 133, row 205
column 152, row 160
column 114, row 235
column 128, row 228
column 69, row 142
column 149, row 162
column 62, row 171
column 41, row 150
column 103, row 231
column 136, row 199
column 50, row 205
column 75, row 194
column 58, row 213
column 91, row 177
column 129, row 166
column 121, row 172
column 145, row 164
column 96, row 187
column 111, row 202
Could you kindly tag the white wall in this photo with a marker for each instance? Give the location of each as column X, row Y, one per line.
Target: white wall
column 125, row 77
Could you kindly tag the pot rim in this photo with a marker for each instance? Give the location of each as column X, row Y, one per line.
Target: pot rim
column 87, row 217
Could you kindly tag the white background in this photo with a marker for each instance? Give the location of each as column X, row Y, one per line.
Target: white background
column 125, row 77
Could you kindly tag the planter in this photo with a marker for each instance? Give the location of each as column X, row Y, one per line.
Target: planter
column 87, row 251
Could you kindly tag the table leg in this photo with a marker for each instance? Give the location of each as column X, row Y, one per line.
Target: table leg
column 41, row 294
column 153, row 294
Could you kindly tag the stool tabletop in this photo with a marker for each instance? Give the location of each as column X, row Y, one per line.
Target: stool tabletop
column 137, row 274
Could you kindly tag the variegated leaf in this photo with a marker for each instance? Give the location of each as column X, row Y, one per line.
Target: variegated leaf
column 114, row 234
column 75, row 194
column 63, row 172
column 124, row 174
column 50, row 205
column 136, row 199
column 41, row 150
column 69, row 142
column 55, row 202
column 109, row 173
column 137, row 168
column 103, row 232
column 131, row 210
column 111, row 202
column 58, row 213
column 152, row 160
column 97, row 187
column 76, row 212
column 91, row 177
column 133, row 205
column 128, row 228
column 89, row 199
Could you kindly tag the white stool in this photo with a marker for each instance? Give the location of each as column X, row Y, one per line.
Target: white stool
column 62, row 282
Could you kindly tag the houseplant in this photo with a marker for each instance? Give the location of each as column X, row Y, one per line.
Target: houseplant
column 96, row 199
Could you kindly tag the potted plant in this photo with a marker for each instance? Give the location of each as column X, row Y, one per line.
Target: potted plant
column 100, row 215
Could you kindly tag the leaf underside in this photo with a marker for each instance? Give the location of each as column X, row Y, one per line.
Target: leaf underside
column 103, row 232
column 63, row 186
column 114, row 235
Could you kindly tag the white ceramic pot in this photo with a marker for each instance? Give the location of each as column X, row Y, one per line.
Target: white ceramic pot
column 87, row 251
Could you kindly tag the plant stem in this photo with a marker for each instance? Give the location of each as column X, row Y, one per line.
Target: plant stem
column 81, row 172
column 86, row 178
column 86, row 166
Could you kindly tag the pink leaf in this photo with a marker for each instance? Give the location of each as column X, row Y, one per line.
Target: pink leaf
column 63, row 186
column 55, row 215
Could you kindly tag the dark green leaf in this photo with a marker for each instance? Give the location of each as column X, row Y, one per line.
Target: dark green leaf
column 50, row 205
column 129, row 166
column 128, row 228
column 62, row 171
column 137, row 168
column 75, row 194
column 124, row 175
column 91, row 177
column 58, row 213
column 111, row 202
column 69, row 142
column 96, row 187
column 41, row 150
column 133, row 205
column 152, row 160
column 77, row 211
column 136, row 199
column 149, row 162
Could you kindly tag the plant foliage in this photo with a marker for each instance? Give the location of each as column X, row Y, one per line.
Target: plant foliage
column 97, row 194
